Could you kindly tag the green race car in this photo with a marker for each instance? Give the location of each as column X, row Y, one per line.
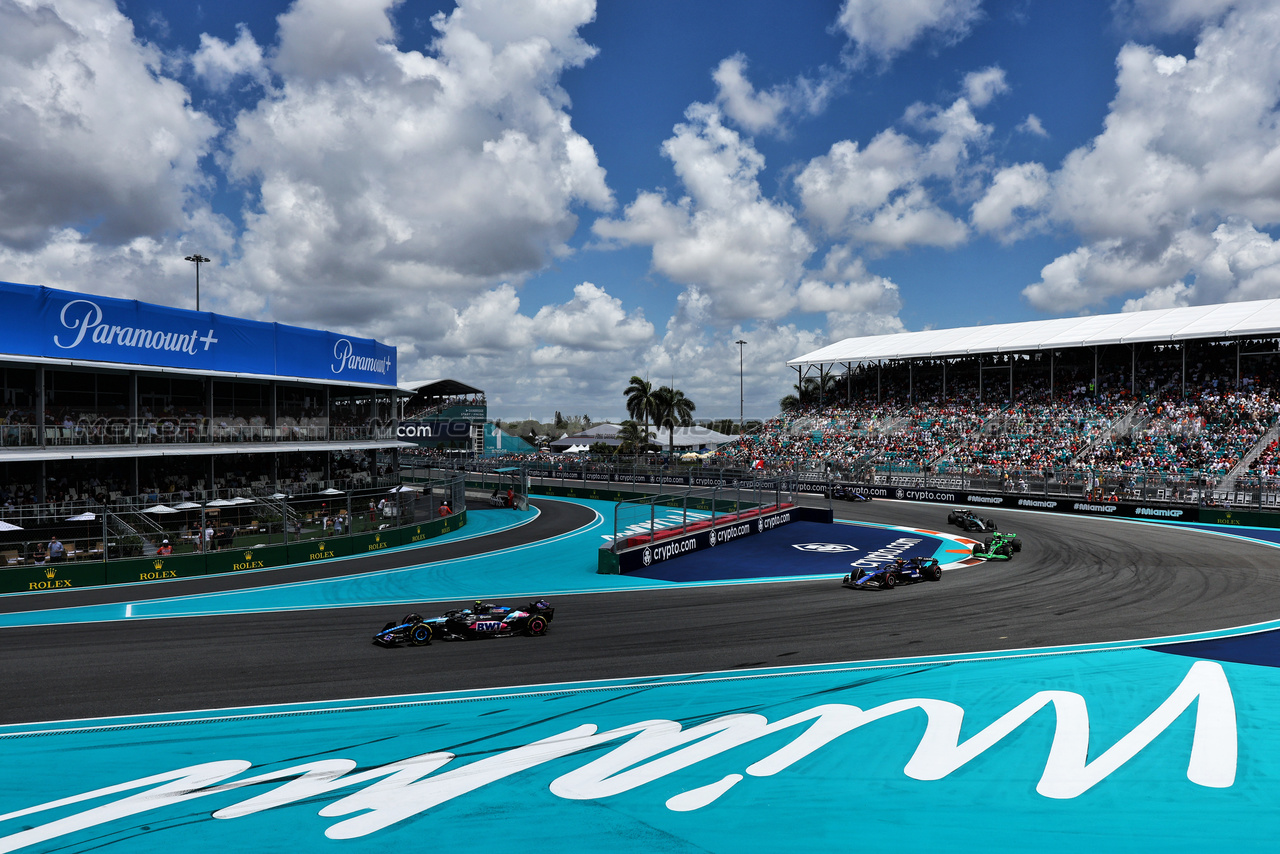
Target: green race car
column 1001, row 546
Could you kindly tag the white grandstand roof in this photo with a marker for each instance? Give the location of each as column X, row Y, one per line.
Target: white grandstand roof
column 1258, row 318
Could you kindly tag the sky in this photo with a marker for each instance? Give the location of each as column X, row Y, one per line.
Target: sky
column 543, row 198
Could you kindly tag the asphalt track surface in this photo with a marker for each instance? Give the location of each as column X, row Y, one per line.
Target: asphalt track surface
column 1077, row 580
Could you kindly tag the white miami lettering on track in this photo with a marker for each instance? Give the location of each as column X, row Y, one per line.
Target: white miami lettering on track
column 654, row 749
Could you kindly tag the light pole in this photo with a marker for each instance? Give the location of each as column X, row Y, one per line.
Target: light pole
column 197, row 259
column 740, row 343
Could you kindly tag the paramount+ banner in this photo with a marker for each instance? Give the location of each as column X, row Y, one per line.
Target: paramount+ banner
column 1023, row 501
column 59, row 324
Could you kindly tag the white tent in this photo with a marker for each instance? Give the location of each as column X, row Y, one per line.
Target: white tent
column 1256, row 318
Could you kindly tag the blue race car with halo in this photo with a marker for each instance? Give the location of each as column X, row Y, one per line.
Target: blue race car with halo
column 891, row 573
column 481, row 620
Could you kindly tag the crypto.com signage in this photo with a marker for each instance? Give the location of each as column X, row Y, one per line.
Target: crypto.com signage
column 57, row 324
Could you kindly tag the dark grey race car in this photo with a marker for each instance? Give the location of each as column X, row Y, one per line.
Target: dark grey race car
column 481, row 620
column 967, row 520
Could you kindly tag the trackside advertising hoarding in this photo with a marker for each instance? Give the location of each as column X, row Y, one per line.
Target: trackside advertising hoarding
column 690, row 479
column 1023, row 501
column 635, row 559
column 44, row 322
column 433, row 431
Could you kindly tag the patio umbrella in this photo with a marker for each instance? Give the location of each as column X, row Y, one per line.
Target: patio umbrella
column 278, row 495
column 6, row 526
column 242, row 500
column 332, row 491
column 187, row 505
column 402, row 488
column 221, row 502
column 159, row 508
column 86, row 517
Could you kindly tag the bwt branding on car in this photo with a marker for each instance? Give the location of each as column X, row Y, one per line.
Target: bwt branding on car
column 1095, row 508
column 984, row 499
column 1161, row 514
column 1031, row 502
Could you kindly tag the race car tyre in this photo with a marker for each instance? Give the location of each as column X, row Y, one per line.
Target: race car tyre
column 978, row 549
column 991, row 523
column 1017, row 545
column 889, row 581
column 537, row 626
column 411, row 618
column 934, row 573
column 420, row 635
column 1006, row 550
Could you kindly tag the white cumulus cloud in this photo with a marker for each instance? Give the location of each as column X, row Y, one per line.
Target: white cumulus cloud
column 745, row 251
column 93, row 132
column 882, row 29
column 386, row 175
column 1188, row 160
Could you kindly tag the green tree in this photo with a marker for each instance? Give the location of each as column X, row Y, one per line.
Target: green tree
column 641, row 404
column 810, row 392
column 672, row 410
column 634, row 438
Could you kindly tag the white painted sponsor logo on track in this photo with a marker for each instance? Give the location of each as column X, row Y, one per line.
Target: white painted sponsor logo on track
column 655, row 749
column 825, row 548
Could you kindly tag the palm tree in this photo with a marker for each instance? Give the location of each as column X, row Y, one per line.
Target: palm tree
column 673, row 410
column 641, row 404
column 809, row 392
column 633, row 438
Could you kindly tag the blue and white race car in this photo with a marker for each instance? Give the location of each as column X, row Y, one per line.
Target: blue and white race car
column 481, row 620
column 892, row 573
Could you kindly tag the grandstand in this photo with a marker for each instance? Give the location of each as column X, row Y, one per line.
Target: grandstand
column 104, row 398
column 138, row 431
column 1173, row 404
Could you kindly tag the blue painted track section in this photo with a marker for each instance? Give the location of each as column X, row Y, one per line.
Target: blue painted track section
column 798, row 549
column 1170, row 746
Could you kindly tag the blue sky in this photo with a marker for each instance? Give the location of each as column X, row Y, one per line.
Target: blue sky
column 544, row 197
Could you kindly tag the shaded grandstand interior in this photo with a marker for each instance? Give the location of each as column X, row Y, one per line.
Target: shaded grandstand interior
column 436, row 397
column 55, row 406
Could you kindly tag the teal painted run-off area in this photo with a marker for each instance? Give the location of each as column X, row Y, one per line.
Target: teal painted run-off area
column 564, row 564
column 1096, row 747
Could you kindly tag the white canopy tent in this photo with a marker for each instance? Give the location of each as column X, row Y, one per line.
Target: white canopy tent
column 1258, row 318
column 1239, row 321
